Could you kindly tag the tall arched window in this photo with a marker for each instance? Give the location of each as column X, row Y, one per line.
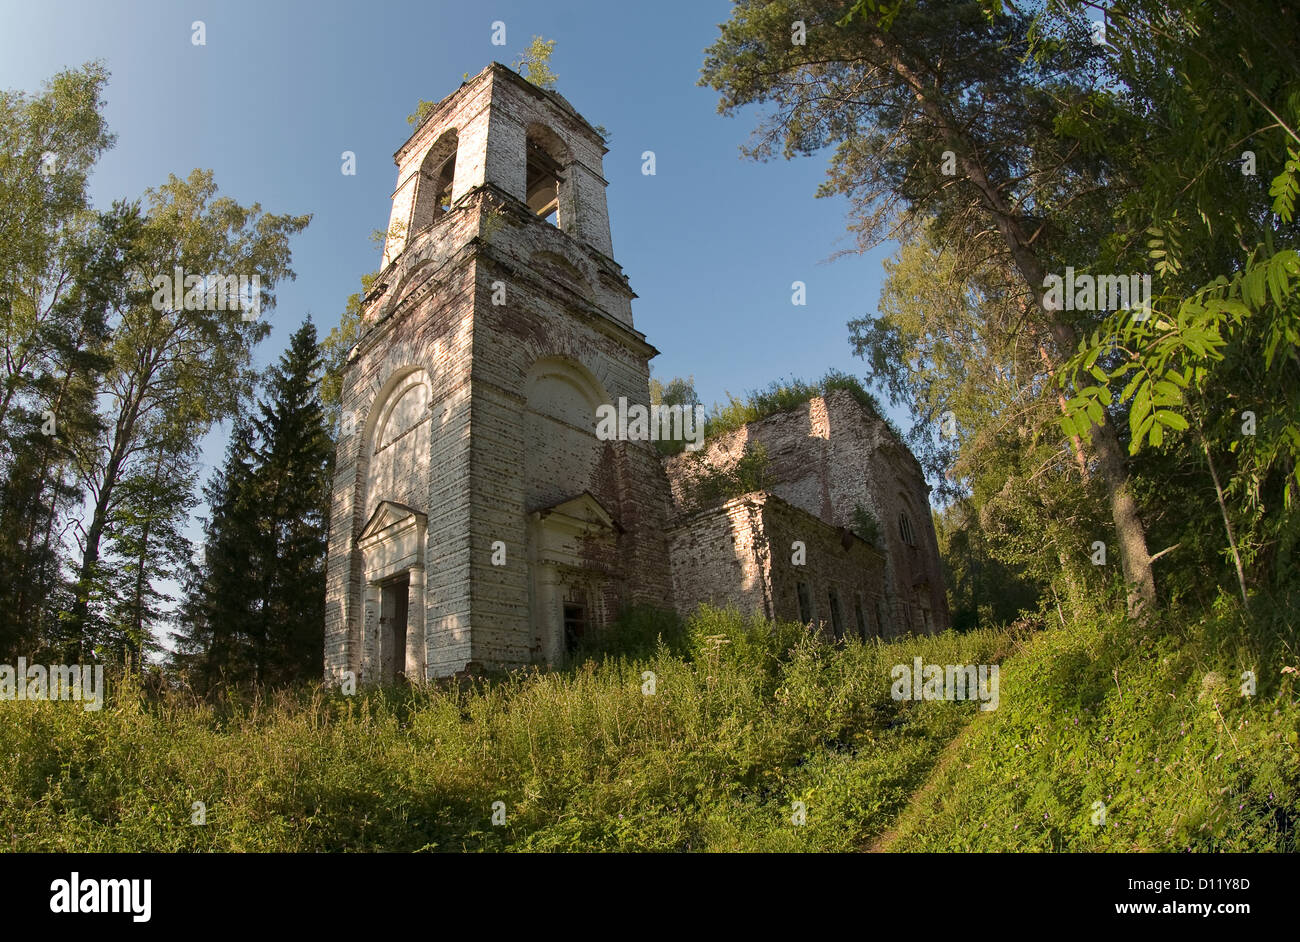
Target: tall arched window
column 545, row 180
column 433, row 189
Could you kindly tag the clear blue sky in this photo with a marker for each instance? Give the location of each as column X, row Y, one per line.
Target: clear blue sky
column 711, row 243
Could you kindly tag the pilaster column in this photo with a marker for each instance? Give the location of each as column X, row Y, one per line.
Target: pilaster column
column 416, row 643
column 370, row 634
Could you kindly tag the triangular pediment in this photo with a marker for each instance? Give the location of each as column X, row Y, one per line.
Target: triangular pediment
column 584, row 509
column 388, row 513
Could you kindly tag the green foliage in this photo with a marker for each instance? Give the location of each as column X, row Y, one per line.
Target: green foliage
column 1159, row 733
column 991, row 577
column 422, row 109
column 638, row 633
column 335, row 348
column 705, row 485
column 754, row 717
column 1285, row 186
column 60, row 267
column 121, row 388
column 1209, row 379
column 883, row 11
column 779, row 396
column 535, row 63
column 948, row 344
column 256, row 604
column 1166, row 356
column 867, row 526
column 175, row 368
column 1013, row 174
column 678, row 392
column 381, row 237
column 784, row 396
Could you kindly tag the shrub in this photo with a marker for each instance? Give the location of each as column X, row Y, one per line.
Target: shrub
column 637, row 633
column 866, row 525
column 705, row 485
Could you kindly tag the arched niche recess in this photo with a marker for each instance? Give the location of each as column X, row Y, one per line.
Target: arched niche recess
column 398, row 440
column 561, row 270
column 560, row 445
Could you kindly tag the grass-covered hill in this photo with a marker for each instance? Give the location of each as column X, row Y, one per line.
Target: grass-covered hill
column 746, row 720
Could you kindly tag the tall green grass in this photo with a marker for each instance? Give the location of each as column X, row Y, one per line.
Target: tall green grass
column 746, row 719
column 1150, row 722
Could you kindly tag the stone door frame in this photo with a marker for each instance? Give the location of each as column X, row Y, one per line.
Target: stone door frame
column 392, row 544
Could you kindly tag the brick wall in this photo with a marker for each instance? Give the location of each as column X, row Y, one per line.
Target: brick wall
column 828, row 456
column 741, row 554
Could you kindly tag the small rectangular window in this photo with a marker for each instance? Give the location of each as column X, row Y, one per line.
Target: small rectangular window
column 861, row 618
column 805, row 603
column 837, row 618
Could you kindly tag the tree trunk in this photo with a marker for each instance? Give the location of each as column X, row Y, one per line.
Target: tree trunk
column 1134, row 556
column 1227, row 522
column 95, row 532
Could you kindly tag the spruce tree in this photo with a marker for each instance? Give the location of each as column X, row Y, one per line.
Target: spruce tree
column 222, row 609
column 255, row 610
column 294, row 474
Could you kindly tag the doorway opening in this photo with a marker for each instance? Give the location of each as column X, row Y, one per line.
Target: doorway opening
column 394, row 605
column 575, row 626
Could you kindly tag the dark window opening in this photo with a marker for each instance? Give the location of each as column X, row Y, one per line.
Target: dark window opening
column 837, row 618
column 882, row 627
column 442, row 185
column 575, row 626
column 861, row 618
column 905, row 530
column 805, row 603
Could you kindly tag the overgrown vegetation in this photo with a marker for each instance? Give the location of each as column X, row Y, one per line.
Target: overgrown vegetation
column 255, row 602
column 753, row 718
column 534, row 63
column 1155, row 732
column 747, row 719
column 866, row 525
column 784, row 396
column 777, row 397
column 1165, row 428
column 108, row 380
column 705, row 485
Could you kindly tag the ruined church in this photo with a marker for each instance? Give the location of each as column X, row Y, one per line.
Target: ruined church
column 479, row 522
